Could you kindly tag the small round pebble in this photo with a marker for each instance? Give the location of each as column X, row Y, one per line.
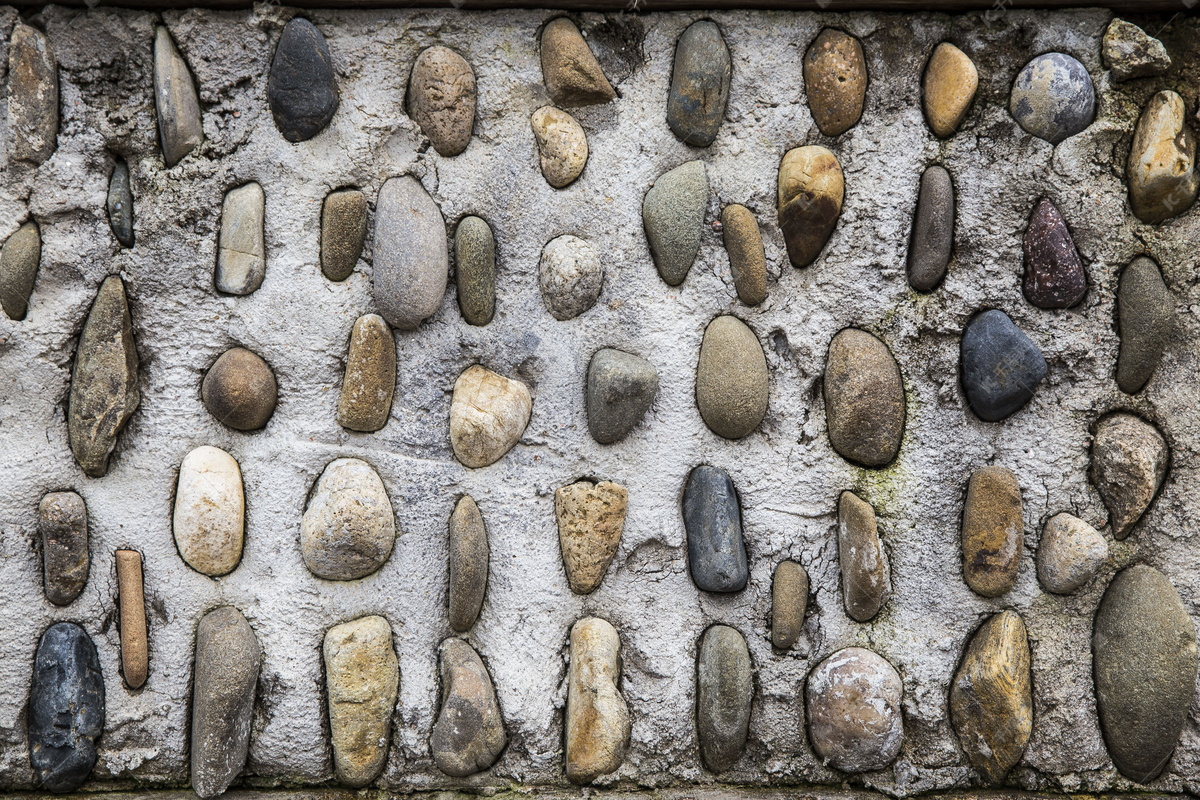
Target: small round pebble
column 1053, row 98
column 562, row 145
column 570, row 276
column 1069, row 554
column 240, row 390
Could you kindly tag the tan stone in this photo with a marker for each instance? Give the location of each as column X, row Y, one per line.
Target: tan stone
column 731, row 378
column 370, row 382
column 747, row 259
column 1129, row 462
column 789, row 599
column 210, row 508
column 993, row 530
column 835, row 80
column 590, row 519
column 441, row 99
column 562, row 145
column 951, row 81
column 598, row 724
column 132, row 601
column 363, row 677
column 1161, row 171
column 866, row 578
column 572, row 74
column 811, row 190
column 32, row 95
column 865, row 407
column 488, row 414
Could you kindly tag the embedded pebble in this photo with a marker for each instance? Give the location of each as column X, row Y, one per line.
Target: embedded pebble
column 475, row 270
column 1144, row 658
column 441, row 99
column 175, row 103
column 572, row 74
column 570, row 276
column 469, row 554
column 120, row 204
column 866, row 577
column 811, row 190
column 239, row 389
column 562, row 145
column 488, row 414
column 366, row 401
column 1054, row 276
column 104, row 379
column 1129, row 461
column 302, row 89
column 747, row 259
column 411, row 257
column 673, row 216
column 241, row 251
column 1145, row 311
column 32, row 95
column 468, row 735
column 991, row 702
column 864, row 398
column 1161, row 171
column 700, row 78
column 225, row 675
column 932, row 240
column 993, row 531
column 1001, row 367
column 210, row 511
column 348, row 528
column 590, row 517
column 19, row 261
column 835, row 80
column 950, row 83
column 713, row 519
column 724, row 694
column 789, row 598
column 63, row 525
column 66, row 708
column 731, row 378
column 854, row 718
column 1069, row 554
column 597, row 723
column 343, row 231
column 132, row 602
column 1053, row 98
column 620, row 389
column 362, row 676
column 1129, row 52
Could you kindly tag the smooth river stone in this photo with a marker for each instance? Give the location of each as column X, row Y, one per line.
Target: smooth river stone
column 700, row 80
column 572, row 75
column 993, row 531
column 349, row 527
column 724, row 693
column 562, row 145
column 120, row 204
column 673, row 216
column 362, row 675
column 835, row 80
column 63, row 525
column 620, row 389
column 1069, row 554
column 590, row 517
column 210, row 511
column 854, row 718
column 866, row 576
column 789, row 599
column 731, row 378
column 713, row 519
column 949, row 85
column 811, row 190
column 441, row 99
column 32, row 95
column 19, row 260
column 370, row 382
column 301, row 87
column 412, row 259
column 1129, row 461
column 1054, row 276
column 991, row 702
column 343, row 231
column 1129, row 52
column 241, row 248
column 1145, row 310
column 177, row 108
column 488, row 414
column 66, row 708
column 239, row 389
column 747, row 258
column 932, row 240
column 1161, row 171
column 227, row 662
column 1144, row 659
column 570, row 276
column 475, row 270
column 1000, row 366
column 864, row 399
column 598, row 724
column 1053, row 98
column 468, row 735
column 469, row 554
column 104, row 379
column 135, row 651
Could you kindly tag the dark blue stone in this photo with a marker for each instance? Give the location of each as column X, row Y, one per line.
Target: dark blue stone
column 716, row 552
column 1000, row 366
column 301, row 87
column 66, row 707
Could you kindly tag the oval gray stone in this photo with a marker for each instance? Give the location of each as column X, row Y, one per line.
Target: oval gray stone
column 475, row 270
column 175, row 103
column 301, row 87
column 864, row 399
column 732, row 383
column 1145, row 310
column 855, row 722
column 724, row 693
column 349, row 527
column 469, row 554
column 66, row 707
column 241, row 248
column 932, row 240
column 32, row 95
column 700, row 79
column 713, row 519
column 468, row 735
column 866, row 577
column 789, row 599
column 570, row 276
column 120, row 204
column 343, row 231
column 620, row 389
column 673, row 216
column 19, row 260
column 63, row 525
column 412, row 259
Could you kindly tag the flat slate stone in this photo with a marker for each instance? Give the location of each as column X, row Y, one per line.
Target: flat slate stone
column 700, row 80
column 948, row 87
column 620, row 390
column 63, row 525
column 366, row 401
column 864, row 398
column 66, row 708
column 932, row 241
column 241, row 247
column 1000, row 366
column 1145, row 313
column 1129, row 462
column 1054, row 276
column 209, row 522
column 993, row 531
column 811, row 190
column 349, row 527
column 1053, row 98
column 673, row 216
column 468, row 735
column 469, row 556
column 475, row 270
column 19, row 261
column 713, row 519
column 32, row 95
column 590, row 518
column 570, row 276
column 412, row 259
column 835, row 81
column 488, row 414
column 239, row 389
column 1161, row 171
column 852, row 700
column 343, row 232
column 747, row 258
column 362, row 675
column 572, row 74
column 1129, row 52
column 1069, row 554
column 120, row 204
column 175, row 103
column 441, row 99
column 731, row 378
column 724, row 694
column 789, row 599
column 301, row 86
column 866, row 575
column 597, row 721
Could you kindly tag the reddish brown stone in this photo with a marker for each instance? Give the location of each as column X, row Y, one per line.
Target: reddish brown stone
column 1054, row 276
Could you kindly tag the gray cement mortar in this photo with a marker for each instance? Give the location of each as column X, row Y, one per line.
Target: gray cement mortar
column 788, row 475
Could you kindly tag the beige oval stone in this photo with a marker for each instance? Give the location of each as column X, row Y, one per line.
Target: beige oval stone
column 362, row 674
column 598, row 724
column 349, row 528
column 864, row 398
column 1129, row 462
column 1069, row 553
column 951, row 81
column 811, row 190
column 993, row 528
column 562, row 145
column 488, row 414
column 1161, row 171
column 835, row 80
column 210, row 511
column 866, row 577
column 441, row 99
column 789, row 599
column 731, row 378
column 747, row 259
column 591, row 517
column 370, row 382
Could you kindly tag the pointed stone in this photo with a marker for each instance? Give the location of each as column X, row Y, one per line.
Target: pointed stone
column 1145, row 311
column 469, row 555
column 724, row 694
column 1054, row 276
column 562, row 145
column 1000, row 366
column 488, row 414
column 789, row 599
column 349, row 527
column 363, row 678
column 1161, row 171
column 1053, row 97
column 1129, row 461
column 591, row 517
column 134, row 652
column 598, row 724
column 1131, row 53
column 63, row 525
column 852, row 701
column 864, row 399
column 366, row 401
column 301, row 87
column 228, row 659
column 19, row 261
column 713, row 520
column 570, row 276
column 104, row 379
column 866, row 576
column 241, row 249
column 66, row 708
column 475, row 270
column 441, row 99
column 993, row 531
column 1069, row 554
column 620, row 390
column 747, row 259
column 700, row 80
column 120, row 204
column 179, row 127
column 811, row 190
column 835, row 81
column 412, row 259
column 468, row 735
column 210, row 511
column 343, row 232
column 731, row 378
column 673, row 216
column 32, row 95
column 950, row 83
column 572, row 74
column 932, row 240
column 239, row 389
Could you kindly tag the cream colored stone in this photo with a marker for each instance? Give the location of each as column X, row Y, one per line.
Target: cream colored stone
column 598, row 724
column 1161, row 171
column 210, row 511
column 363, row 677
column 349, row 528
column 488, row 414
column 590, row 519
column 562, row 145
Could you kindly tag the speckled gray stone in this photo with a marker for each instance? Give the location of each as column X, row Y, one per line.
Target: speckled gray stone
column 1129, row 52
column 932, row 239
column 724, row 693
column 1053, row 98
column 348, row 528
column 441, row 99
column 469, row 555
column 700, row 81
column 468, row 735
column 1129, row 462
column 570, row 276
column 1145, row 312
column 673, row 215
column 620, row 389
column 19, row 260
column 1069, row 554
column 475, row 270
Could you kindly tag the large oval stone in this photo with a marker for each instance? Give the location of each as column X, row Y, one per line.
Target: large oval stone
column 835, row 81
column 362, row 674
column 1144, row 657
column 789, row 599
column 570, row 276
column 343, row 232
column 1161, row 171
column 571, row 73
column 370, row 382
column 866, row 576
column 32, row 95
column 63, row 525
column 469, row 556
column 239, row 389
column 475, row 270
column 241, row 246
column 1001, row 367
column 441, row 99
column 349, row 527
column 301, row 87
column 991, row 702
column 949, row 85
column 1129, row 461
column 1145, row 310
column 854, row 718
column 412, row 259
column 1053, row 98
column 210, row 511
column 620, row 389
column 175, row 103
column 864, row 398
column 993, row 531
column 120, row 204
column 724, row 693
column 932, row 240
column 66, row 707
column 19, row 260
column 700, row 78
column 1054, row 276
column 488, row 414
column 590, row 517
column 731, row 378
column 468, row 735
column 673, row 216
column 811, row 190
column 713, row 519
column 747, row 258
column 1069, row 554
column 598, row 724
column 562, row 145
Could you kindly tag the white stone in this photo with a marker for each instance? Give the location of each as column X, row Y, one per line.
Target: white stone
column 570, row 276
column 210, row 511
column 349, row 528
column 488, row 414
column 241, row 251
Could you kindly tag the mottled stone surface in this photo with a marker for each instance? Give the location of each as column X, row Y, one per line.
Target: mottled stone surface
column 468, row 554
column 864, row 398
column 239, row 389
column 590, row 517
column 32, row 95
column 135, row 651
column 348, row 528
column 241, row 247
column 993, row 531
column 120, row 204
column 949, row 86
column 362, row 676
column 789, row 599
column 209, row 520
column 562, row 145
column 366, row 401
column 475, row 270
column 700, row 79
column 469, row 735
column 488, row 414
column 713, row 519
column 572, row 75
column 1054, row 276
column 343, row 231
column 412, row 259
column 66, row 708
column 178, row 110
column 866, row 576
column 1129, row 461
column 620, row 390
column 301, row 86
column 747, row 260
column 724, row 694
column 1053, row 98
column 570, row 276
column 932, row 241
column 1144, row 657
column 441, row 99
column 1000, row 366
column 853, row 704
column 19, row 260
column 1129, row 52
column 673, row 216
column 63, row 526
column 1069, row 554
column 835, row 81
column 597, row 721
column 1161, row 171
column 731, row 378
column 1145, row 314
column 811, row 190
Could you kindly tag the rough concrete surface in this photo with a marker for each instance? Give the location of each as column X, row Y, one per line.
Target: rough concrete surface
column 788, row 476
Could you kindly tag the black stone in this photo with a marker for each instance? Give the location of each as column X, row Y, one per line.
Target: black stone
column 716, row 552
column 620, row 389
column 1054, row 276
column 699, row 84
column 933, row 231
column 301, row 88
column 1000, row 366
column 66, row 708
column 120, row 204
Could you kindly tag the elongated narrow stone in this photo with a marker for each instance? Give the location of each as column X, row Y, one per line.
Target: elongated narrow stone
column 363, row 678
column 210, row 511
column 104, row 379
column 178, row 109
column 811, row 190
column 598, row 724
column 348, row 529
column 1145, row 311
column 366, row 401
column 700, row 81
column 301, row 87
column 468, row 735
column 135, row 655
column 1161, row 171
column 469, row 555
column 835, row 81
column 747, row 259
column 673, row 216
column 866, row 577
column 591, row 517
column 343, row 232
column 572, row 75
column 488, row 414
column 864, row 398
column 724, row 693
column 475, row 270
column 852, row 701
column 1129, row 462
column 63, row 525
column 120, row 204
column 19, row 261
column 993, row 529
column 32, row 95
column 66, row 708
column 789, row 599
column 241, row 248
column 713, row 519
column 932, row 241
column 731, row 378
column 412, row 259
